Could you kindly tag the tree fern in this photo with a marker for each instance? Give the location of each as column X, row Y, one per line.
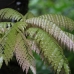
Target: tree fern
column 45, row 35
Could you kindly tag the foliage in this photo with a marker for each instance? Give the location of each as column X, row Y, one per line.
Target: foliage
column 64, row 7
column 45, row 35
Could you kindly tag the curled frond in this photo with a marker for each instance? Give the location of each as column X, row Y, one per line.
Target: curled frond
column 50, row 48
column 61, row 21
column 53, row 30
column 10, row 14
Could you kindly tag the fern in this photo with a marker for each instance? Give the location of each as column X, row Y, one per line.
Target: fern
column 46, row 35
column 52, row 29
column 10, row 43
column 7, row 43
column 22, row 54
column 46, row 43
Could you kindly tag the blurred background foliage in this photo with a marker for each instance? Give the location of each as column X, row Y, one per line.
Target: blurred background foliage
column 64, row 7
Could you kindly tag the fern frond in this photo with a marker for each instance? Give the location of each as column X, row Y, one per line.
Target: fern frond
column 52, row 51
column 61, row 21
column 7, row 44
column 23, row 55
column 52, row 29
column 10, row 14
column 10, row 41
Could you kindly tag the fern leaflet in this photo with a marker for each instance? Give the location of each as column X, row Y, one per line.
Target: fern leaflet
column 10, row 14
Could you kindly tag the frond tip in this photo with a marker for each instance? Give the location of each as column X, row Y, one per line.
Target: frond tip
column 10, row 14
